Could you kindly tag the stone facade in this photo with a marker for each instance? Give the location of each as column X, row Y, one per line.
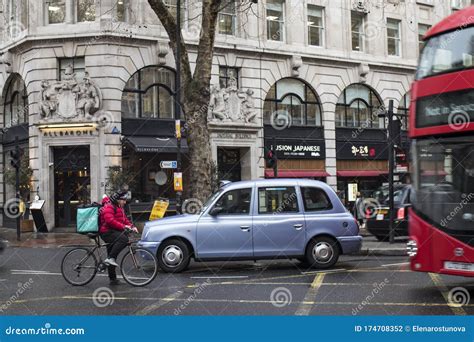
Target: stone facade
column 114, row 50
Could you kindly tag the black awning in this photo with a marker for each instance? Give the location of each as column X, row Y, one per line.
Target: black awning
column 156, row 144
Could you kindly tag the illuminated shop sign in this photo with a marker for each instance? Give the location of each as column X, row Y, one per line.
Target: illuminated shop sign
column 288, row 149
column 346, row 150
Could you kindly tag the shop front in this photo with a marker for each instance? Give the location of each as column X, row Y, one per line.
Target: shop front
column 149, row 145
column 362, row 166
column 71, row 141
column 297, row 158
column 292, row 118
column 72, row 182
column 148, row 164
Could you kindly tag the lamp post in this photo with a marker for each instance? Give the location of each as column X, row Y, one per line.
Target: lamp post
column 178, row 98
column 391, row 166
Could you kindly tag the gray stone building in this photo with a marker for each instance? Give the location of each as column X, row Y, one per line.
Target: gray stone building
column 87, row 86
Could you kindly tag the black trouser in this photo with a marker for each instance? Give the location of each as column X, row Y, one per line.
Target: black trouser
column 116, row 242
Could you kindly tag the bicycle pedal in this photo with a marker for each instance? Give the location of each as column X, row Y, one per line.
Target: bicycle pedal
column 102, row 267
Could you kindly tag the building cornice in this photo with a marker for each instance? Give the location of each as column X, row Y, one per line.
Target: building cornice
column 325, row 57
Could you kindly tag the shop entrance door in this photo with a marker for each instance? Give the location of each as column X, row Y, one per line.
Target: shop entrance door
column 228, row 164
column 71, row 183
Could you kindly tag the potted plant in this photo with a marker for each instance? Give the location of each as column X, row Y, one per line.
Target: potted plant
column 118, row 178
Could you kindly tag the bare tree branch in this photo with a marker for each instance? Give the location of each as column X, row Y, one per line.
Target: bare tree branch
column 170, row 25
column 210, row 11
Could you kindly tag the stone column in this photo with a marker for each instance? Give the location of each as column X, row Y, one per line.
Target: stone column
column 330, row 138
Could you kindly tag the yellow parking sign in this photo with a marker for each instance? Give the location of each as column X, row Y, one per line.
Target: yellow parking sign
column 178, row 181
column 159, row 209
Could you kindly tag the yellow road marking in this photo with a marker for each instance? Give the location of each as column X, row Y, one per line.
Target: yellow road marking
column 295, row 284
column 328, row 272
column 304, row 308
column 155, row 306
column 457, row 310
column 244, row 301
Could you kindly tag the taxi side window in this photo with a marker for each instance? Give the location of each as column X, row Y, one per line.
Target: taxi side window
column 277, row 200
column 235, row 202
column 315, row 199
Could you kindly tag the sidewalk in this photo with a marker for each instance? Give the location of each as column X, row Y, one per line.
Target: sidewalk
column 43, row 240
column 370, row 245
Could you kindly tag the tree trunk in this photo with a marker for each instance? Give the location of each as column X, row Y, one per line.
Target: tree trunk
column 195, row 95
column 195, row 107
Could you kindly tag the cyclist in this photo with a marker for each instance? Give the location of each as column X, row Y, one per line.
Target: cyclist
column 113, row 222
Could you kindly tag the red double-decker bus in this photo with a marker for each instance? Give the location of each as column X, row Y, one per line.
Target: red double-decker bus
column 441, row 223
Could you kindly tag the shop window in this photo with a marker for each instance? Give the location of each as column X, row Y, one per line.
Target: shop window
column 227, row 18
column 9, row 188
column 404, row 108
column 277, row 200
column 77, row 66
column 358, row 106
column 294, row 101
column 226, row 74
column 149, row 93
column 16, row 103
column 86, row 10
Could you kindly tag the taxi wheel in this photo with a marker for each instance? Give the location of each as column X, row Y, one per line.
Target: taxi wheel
column 322, row 252
column 173, row 256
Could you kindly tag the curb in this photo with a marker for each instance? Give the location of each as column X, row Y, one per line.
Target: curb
column 383, row 251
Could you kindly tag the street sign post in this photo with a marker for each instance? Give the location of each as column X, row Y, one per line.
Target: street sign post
column 168, row 164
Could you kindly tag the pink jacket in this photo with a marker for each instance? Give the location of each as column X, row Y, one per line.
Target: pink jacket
column 112, row 217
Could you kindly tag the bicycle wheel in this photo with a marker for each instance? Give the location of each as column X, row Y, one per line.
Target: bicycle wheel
column 79, row 266
column 139, row 267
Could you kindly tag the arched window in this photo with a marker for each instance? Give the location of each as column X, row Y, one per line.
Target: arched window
column 16, row 103
column 358, row 107
column 294, row 98
column 403, row 108
column 150, row 94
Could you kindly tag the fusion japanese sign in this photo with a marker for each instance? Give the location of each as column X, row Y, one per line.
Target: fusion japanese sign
column 288, row 149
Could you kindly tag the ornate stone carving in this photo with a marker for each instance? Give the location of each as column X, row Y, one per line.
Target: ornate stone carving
column 361, row 6
column 364, row 70
column 231, row 104
column 162, row 52
column 69, row 98
column 296, row 63
column 88, row 101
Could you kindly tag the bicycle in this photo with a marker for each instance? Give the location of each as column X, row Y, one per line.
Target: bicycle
column 139, row 266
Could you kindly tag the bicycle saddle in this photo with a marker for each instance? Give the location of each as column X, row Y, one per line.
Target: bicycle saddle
column 92, row 235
